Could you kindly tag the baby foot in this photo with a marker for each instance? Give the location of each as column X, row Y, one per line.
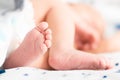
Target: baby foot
column 95, row 62
column 33, row 47
column 100, row 63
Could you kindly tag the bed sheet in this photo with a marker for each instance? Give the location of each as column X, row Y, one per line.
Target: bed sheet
column 28, row 73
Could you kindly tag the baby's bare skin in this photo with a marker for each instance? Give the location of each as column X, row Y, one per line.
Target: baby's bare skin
column 32, row 49
column 90, row 19
column 111, row 44
column 62, row 55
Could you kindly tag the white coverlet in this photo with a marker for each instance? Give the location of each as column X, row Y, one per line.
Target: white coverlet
column 27, row 73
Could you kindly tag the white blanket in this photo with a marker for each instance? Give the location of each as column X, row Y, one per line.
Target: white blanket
column 27, row 73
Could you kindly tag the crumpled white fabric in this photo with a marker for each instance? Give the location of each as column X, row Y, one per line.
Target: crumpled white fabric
column 27, row 73
column 5, row 38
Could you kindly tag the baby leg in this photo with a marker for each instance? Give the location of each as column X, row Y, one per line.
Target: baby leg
column 90, row 21
column 41, row 8
column 32, row 49
column 62, row 54
column 111, row 44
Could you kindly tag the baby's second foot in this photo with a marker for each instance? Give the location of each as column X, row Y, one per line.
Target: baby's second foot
column 34, row 45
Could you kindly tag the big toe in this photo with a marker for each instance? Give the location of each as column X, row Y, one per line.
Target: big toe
column 42, row 26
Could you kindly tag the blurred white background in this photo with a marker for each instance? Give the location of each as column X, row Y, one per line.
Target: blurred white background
column 6, row 4
column 110, row 10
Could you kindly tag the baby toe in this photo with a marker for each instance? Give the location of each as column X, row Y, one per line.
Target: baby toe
column 48, row 37
column 48, row 43
column 42, row 26
column 48, row 31
column 105, row 63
